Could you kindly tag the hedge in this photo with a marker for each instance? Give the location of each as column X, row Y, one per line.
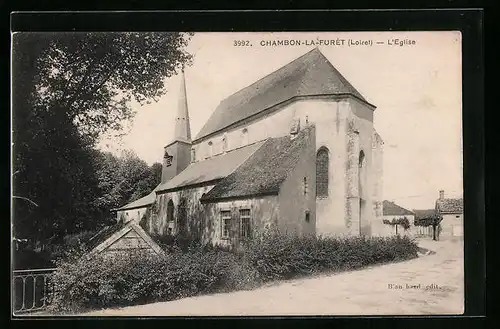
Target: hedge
column 136, row 278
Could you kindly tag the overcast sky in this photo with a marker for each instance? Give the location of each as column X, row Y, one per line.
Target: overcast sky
column 416, row 88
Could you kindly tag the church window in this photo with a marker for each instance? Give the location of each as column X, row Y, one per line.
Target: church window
column 361, row 159
column 170, row 211
column 308, row 217
column 322, row 163
column 210, row 149
column 305, row 186
column 168, row 158
column 245, row 223
column 244, row 137
column 226, row 223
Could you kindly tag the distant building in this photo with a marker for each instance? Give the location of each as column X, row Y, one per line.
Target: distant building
column 296, row 150
column 452, row 212
column 392, row 213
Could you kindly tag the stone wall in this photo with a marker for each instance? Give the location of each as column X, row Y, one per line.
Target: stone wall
column 204, row 219
column 131, row 215
column 297, row 196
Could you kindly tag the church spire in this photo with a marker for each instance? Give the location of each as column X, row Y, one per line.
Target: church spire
column 182, row 127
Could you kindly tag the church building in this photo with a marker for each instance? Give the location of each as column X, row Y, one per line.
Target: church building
column 296, row 150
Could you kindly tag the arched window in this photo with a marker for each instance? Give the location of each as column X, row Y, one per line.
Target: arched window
column 170, row 211
column 361, row 159
column 322, row 163
column 244, row 137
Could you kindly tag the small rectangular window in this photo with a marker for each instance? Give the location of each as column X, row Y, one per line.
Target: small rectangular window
column 307, row 217
column 226, row 223
column 245, row 223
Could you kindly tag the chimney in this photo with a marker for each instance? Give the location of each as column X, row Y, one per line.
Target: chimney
column 441, row 194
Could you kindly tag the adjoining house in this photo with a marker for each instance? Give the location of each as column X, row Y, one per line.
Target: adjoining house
column 451, row 211
column 392, row 215
column 296, row 150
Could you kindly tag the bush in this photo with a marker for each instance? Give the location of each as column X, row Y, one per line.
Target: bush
column 136, row 278
column 277, row 256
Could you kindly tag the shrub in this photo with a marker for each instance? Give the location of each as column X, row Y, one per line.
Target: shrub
column 277, row 256
column 136, row 278
column 83, row 283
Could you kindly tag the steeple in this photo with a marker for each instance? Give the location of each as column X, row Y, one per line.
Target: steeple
column 177, row 154
column 182, row 127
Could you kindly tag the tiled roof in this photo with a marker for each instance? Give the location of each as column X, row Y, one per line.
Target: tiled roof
column 216, row 167
column 450, row 206
column 425, row 214
column 392, row 209
column 309, row 75
column 264, row 171
column 142, row 202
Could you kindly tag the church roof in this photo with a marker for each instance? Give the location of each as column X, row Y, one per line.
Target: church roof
column 142, row 202
column 392, row 209
column 211, row 169
column 450, row 206
column 264, row 171
column 309, row 75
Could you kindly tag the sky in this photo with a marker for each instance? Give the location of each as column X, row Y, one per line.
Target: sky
column 416, row 88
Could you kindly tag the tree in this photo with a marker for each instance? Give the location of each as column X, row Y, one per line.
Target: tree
column 68, row 89
column 122, row 180
column 403, row 221
column 434, row 221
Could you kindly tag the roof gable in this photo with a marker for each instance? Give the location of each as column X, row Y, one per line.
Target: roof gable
column 122, row 231
column 451, row 206
column 309, row 75
column 264, row 171
column 392, row 209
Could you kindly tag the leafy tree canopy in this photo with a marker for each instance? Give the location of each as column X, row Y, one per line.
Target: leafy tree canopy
column 68, row 89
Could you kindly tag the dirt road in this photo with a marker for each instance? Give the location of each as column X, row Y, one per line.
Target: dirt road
column 431, row 284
